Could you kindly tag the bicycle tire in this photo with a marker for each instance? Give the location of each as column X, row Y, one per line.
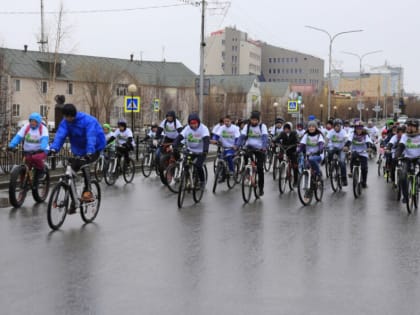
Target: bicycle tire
column 146, row 165
column 268, row 160
column 327, row 166
column 129, row 170
column 246, row 185
column 335, row 178
column 98, row 169
column 357, row 190
column 276, row 166
column 282, row 177
column 164, row 162
column 237, row 170
column 198, row 191
column 319, row 189
column 172, row 177
column 110, row 177
column 304, row 188
column 230, row 180
column 379, row 162
column 290, row 176
column 255, row 186
column 89, row 211
column 18, row 186
column 41, row 187
column 59, row 204
column 217, row 175
column 410, row 195
column 182, row 190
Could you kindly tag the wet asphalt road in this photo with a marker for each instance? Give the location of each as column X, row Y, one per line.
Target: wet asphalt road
column 273, row 256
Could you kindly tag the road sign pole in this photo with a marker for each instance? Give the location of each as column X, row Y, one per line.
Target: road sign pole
column 132, row 113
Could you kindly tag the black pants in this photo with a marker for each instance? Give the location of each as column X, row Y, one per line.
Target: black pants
column 260, row 159
column 363, row 165
column 76, row 165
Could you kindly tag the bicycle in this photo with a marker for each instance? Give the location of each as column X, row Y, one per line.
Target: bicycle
column 335, row 172
column 222, row 170
column 238, row 165
column 357, row 174
column 116, row 167
column 190, row 181
column 65, row 195
column 380, row 159
column 309, row 184
column 397, row 176
column 250, row 176
column 268, row 161
column 149, row 161
column 285, row 170
column 23, row 178
column 101, row 164
column 277, row 158
column 413, row 177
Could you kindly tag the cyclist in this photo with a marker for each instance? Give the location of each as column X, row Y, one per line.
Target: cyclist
column 217, row 126
column 337, row 138
column 87, row 139
column 255, row 136
column 300, row 130
column 35, row 145
column 124, row 139
column 312, row 144
column 277, row 128
column 171, row 127
column 227, row 135
column 360, row 142
column 290, row 139
column 151, row 134
column 346, row 126
column 410, row 146
column 197, row 140
column 392, row 147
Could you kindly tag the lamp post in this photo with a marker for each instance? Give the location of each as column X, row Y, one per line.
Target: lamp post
column 349, row 108
column 360, row 74
column 332, row 37
column 132, row 89
column 275, row 105
column 335, row 111
column 302, row 107
column 322, row 108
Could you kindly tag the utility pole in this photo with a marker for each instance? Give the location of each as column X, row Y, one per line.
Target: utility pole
column 43, row 41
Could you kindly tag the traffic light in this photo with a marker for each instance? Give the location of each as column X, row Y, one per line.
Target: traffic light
column 299, row 98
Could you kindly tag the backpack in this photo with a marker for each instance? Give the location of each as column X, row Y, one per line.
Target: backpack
column 247, row 130
column 166, row 121
column 28, row 127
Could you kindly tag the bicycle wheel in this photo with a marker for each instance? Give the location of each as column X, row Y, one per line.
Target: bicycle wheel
column 57, row 206
column 411, row 195
column 89, row 210
column 289, row 175
column 255, row 185
column 146, row 165
column 230, row 179
column 335, row 178
column 237, row 169
column 198, row 190
column 246, row 185
column 282, row 177
column 268, row 160
column 379, row 162
column 18, row 187
column 276, row 167
column 182, row 189
column 41, row 187
column 304, row 188
column 129, row 169
column 98, row 168
column 327, row 164
column 357, row 189
column 172, row 175
column 218, row 175
column 319, row 189
column 111, row 176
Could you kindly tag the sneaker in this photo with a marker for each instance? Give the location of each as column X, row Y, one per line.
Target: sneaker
column 87, row 196
column 72, row 208
column 261, row 192
column 344, row 181
column 350, row 175
column 364, row 185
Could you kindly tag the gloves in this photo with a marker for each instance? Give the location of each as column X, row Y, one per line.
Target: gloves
column 345, row 149
column 52, row 152
column 88, row 157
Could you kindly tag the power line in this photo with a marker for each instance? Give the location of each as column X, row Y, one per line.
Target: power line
column 94, row 10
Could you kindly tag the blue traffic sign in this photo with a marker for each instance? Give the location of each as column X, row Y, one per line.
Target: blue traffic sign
column 131, row 104
column 292, row 106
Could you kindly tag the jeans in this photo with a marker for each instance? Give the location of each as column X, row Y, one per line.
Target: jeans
column 314, row 161
column 341, row 157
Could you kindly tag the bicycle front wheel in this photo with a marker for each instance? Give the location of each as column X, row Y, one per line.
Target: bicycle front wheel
column 129, row 169
column 357, row 186
column 17, row 186
column 335, row 177
column 198, row 190
column 41, row 187
column 276, row 167
column 98, row 168
column 319, row 189
column 57, row 206
column 182, row 190
column 282, row 177
column 246, row 185
column 304, row 188
column 218, row 175
column 268, row 160
column 110, row 176
column 237, row 169
column 172, row 175
column 89, row 210
column 146, row 165
column 379, row 162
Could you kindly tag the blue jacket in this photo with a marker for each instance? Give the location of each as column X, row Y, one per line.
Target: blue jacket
column 85, row 133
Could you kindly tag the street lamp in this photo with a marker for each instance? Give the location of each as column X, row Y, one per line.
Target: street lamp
column 332, row 37
column 360, row 74
column 335, row 111
column 322, row 107
column 275, row 105
column 349, row 108
column 302, row 107
column 132, row 89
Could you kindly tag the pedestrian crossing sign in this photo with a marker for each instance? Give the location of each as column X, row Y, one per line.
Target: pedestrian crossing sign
column 156, row 104
column 292, row 106
column 131, row 104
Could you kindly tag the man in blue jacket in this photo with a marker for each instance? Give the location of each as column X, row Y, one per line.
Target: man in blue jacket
column 87, row 140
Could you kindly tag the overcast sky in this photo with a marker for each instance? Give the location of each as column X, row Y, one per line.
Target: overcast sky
column 171, row 29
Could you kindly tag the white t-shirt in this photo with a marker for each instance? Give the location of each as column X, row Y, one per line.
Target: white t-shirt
column 312, row 142
column 412, row 146
column 255, row 135
column 194, row 138
column 170, row 128
column 336, row 140
column 227, row 135
column 32, row 140
column 122, row 136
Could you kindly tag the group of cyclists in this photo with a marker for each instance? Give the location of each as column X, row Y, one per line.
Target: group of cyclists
column 88, row 139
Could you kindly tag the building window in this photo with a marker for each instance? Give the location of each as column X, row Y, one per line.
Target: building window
column 43, row 109
column 223, row 65
column 269, row 60
column 15, row 110
column 269, row 80
column 69, row 88
column 274, row 60
column 44, row 87
column 296, row 60
column 223, row 42
column 287, row 60
column 269, row 70
column 17, row 85
column 122, row 89
column 287, row 71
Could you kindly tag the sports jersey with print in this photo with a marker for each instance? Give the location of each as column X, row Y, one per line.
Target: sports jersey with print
column 254, row 137
column 312, row 142
column 122, row 136
column 170, row 128
column 32, row 137
column 227, row 135
column 337, row 139
column 194, row 138
column 412, row 145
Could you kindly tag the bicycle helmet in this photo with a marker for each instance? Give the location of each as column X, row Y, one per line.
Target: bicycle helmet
column 299, row 125
column 358, row 124
column 288, row 124
column 346, row 122
column 154, row 126
column 122, row 122
column 337, row 122
column 412, row 122
column 69, row 110
column 279, row 120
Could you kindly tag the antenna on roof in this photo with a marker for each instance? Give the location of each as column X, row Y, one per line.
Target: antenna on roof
column 43, row 41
